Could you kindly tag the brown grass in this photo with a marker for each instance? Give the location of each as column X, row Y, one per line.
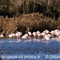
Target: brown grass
column 33, row 21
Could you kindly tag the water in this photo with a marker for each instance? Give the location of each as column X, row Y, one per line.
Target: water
column 35, row 49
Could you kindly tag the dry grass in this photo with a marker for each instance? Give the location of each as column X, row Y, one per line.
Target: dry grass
column 33, row 21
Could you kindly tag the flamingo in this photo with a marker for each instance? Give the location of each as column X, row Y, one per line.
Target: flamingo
column 52, row 32
column 46, row 37
column 42, row 34
column 1, row 35
column 25, row 36
column 57, row 32
column 38, row 34
column 30, row 34
column 11, row 35
column 18, row 35
column 46, row 31
column 59, row 37
column 34, row 34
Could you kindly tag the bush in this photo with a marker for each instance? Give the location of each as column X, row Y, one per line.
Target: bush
column 33, row 21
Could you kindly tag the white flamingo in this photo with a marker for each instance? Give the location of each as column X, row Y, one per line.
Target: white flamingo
column 1, row 35
column 34, row 34
column 43, row 34
column 46, row 31
column 11, row 35
column 59, row 37
column 38, row 34
column 52, row 32
column 25, row 36
column 56, row 33
column 29, row 33
column 47, row 38
column 18, row 35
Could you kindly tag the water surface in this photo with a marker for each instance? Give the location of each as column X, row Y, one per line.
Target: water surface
column 35, row 49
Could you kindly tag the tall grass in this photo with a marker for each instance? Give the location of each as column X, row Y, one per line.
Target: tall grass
column 33, row 21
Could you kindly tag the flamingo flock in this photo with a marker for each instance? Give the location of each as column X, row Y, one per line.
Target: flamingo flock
column 46, row 35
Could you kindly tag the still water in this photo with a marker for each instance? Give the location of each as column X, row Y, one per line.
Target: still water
column 35, row 49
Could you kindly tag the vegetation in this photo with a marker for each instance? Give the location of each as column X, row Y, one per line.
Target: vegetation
column 21, row 14
column 33, row 21
column 15, row 8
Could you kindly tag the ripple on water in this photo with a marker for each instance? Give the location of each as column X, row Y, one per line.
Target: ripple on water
column 29, row 47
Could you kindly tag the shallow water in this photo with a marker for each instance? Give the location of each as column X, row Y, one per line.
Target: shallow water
column 35, row 49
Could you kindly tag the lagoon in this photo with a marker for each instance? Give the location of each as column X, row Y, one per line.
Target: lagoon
column 35, row 49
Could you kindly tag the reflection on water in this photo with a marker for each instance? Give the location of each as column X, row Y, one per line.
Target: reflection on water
column 38, row 47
